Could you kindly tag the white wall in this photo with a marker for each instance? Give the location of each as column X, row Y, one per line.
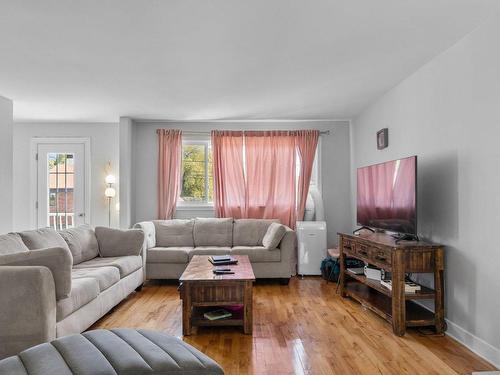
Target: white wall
column 5, row 165
column 335, row 166
column 448, row 114
column 126, row 181
column 103, row 148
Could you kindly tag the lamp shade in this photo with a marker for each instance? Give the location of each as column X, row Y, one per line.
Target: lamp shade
column 109, row 192
column 110, row 179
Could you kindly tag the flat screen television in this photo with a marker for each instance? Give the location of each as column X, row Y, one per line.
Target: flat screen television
column 387, row 196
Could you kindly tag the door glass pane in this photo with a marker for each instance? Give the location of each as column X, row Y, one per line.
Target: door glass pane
column 61, row 182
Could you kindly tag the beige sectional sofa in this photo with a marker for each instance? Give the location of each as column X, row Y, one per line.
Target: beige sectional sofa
column 170, row 245
column 54, row 284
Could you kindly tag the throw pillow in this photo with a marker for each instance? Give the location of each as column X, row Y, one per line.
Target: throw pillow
column 273, row 236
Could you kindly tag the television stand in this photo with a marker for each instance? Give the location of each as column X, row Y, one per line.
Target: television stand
column 363, row 227
column 405, row 237
column 396, row 306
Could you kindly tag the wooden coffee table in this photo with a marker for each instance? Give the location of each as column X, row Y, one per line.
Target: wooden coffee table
column 201, row 290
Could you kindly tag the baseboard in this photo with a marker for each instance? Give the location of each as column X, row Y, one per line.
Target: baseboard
column 474, row 343
column 480, row 347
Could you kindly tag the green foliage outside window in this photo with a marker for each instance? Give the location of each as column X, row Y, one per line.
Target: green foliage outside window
column 197, row 181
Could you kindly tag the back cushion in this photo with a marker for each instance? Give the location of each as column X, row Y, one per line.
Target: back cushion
column 174, row 233
column 12, row 243
column 42, row 239
column 82, row 243
column 250, row 232
column 213, row 232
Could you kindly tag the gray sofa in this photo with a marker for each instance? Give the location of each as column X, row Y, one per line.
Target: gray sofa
column 170, row 245
column 55, row 284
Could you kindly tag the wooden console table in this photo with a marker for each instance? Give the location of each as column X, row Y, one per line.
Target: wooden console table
column 396, row 306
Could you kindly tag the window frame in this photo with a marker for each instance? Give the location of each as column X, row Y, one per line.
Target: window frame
column 200, row 205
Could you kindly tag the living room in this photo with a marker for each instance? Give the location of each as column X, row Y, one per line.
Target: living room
column 142, row 140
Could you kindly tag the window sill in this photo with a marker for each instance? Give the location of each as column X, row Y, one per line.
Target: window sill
column 195, row 207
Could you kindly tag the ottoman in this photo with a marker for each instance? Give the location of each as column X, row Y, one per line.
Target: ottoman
column 118, row 351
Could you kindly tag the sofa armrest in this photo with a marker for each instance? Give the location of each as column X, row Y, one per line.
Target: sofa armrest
column 288, row 247
column 117, row 242
column 27, row 308
column 149, row 230
column 57, row 259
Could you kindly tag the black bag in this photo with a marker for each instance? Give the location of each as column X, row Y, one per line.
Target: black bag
column 330, row 269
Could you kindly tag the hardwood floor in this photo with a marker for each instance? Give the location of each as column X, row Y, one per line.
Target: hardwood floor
column 302, row 328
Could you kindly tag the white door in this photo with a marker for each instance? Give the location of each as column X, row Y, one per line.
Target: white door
column 61, row 183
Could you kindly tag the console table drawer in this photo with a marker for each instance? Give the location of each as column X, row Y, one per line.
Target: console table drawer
column 348, row 246
column 363, row 251
column 383, row 256
column 373, row 254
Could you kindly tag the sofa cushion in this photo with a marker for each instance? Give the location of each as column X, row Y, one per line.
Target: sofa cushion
column 42, row 239
column 82, row 292
column 105, row 276
column 118, row 242
column 258, row 254
column 250, row 232
column 210, row 250
column 168, row 254
column 11, row 243
column 126, row 265
column 273, row 236
column 82, row 243
column 213, row 232
column 174, row 233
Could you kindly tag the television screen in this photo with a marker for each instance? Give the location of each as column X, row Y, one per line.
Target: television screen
column 386, row 196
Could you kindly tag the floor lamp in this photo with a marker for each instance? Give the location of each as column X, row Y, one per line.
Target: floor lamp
column 110, row 193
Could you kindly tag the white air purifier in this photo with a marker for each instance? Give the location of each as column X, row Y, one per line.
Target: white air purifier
column 311, row 237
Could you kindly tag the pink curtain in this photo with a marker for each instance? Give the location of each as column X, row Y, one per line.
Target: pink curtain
column 306, row 142
column 169, row 170
column 270, row 172
column 229, row 179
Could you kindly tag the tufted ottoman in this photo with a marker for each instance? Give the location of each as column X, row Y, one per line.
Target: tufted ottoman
column 117, row 351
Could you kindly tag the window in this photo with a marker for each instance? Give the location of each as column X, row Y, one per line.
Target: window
column 196, row 175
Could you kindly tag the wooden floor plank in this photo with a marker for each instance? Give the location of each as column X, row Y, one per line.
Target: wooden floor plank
column 303, row 328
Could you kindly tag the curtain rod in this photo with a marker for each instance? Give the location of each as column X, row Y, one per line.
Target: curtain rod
column 322, row 132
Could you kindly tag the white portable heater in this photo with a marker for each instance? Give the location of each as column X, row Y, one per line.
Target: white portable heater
column 311, row 237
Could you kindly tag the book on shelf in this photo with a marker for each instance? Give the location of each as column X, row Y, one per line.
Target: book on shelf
column 410, row 287
column 217, row 314
column 373, row 273
column 356, row 270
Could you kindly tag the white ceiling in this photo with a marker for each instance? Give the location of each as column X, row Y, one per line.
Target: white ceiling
column 96, row 60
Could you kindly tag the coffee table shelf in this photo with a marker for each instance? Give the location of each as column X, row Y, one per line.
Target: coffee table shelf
column 199, row 320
